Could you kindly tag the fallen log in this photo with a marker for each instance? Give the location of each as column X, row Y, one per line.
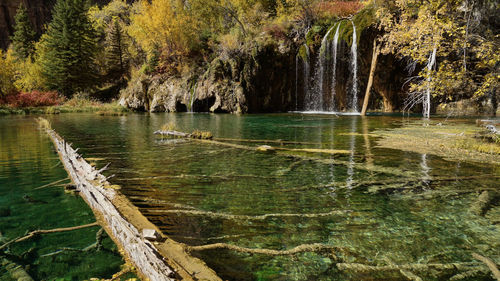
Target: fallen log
column 124, row 224
column 247, row 217
column 484, row 202
column 417, row 267
column 294, row 251
column 172, row 134
column 16, row 271
column 491, row 265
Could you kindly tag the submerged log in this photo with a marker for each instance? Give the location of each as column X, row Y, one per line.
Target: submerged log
column 304, row 248
column 16, row 271
column 37, row 232
column 491, row 265
column 172, row 134
column 124, row 224
column 484, row 202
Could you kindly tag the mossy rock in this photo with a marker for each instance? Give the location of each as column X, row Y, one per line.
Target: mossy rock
column 313, row 36
column 303, row 53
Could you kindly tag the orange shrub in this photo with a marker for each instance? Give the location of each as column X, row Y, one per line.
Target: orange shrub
column 338, row 8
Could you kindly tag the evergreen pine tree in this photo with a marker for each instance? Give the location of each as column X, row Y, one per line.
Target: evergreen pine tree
column 23, row 39
column 117, row 46
column 70, row 44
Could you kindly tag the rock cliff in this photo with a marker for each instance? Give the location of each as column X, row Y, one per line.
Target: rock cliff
column 262, row 82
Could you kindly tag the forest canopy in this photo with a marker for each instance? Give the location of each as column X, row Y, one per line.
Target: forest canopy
column 451, row 47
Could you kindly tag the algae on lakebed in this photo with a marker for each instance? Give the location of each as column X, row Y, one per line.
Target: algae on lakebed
column 28, row 162
column 454, row 141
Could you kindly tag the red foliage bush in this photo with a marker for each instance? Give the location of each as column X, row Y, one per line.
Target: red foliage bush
column 276, row 31
column 32, row 99
column 338, row 8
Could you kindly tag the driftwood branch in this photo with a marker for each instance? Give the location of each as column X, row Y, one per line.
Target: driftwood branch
column 297, row 250
column 52, row 183
column 37, row 232
column 363, row 268
column 491, row 265
column 246, row 217
column 97, row 246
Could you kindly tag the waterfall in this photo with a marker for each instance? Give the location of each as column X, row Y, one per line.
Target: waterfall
column 334, row 67
column 354, row 65
column 306, row 76
column 427, row 97
column 316, row 101
column 193, row 93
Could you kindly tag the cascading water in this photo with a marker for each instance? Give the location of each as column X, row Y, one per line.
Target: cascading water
column 316, row 103
column 193, row 93
column 427, row 97
column 307, row 59
column 320, row 92
column 354, row 66
column 334, row 67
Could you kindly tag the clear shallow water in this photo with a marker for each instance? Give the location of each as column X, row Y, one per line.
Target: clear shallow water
column 28, row 161
column 163, row 176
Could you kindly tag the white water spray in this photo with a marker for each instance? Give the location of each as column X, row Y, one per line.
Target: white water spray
column 307, row 67
column 427, row 97
column 334, row 66
column 354, row 66
column 191, row 103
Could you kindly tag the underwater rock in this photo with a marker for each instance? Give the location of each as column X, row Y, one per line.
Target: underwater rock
column 265, row 148
column 484, row 202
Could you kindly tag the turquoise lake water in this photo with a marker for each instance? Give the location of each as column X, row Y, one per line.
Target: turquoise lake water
column 203, row 193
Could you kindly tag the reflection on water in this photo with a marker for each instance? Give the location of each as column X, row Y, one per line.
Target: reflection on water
column 426, row 178
column 202, row 193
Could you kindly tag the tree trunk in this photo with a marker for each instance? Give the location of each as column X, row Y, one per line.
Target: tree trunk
column 376, row 50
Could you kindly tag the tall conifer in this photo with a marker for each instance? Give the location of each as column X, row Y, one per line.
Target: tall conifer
column 70, row 44
column 117, row 46
column 23, row 39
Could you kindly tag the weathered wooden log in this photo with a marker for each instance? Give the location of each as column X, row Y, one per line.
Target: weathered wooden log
column 304, row 248
column 417, row 267
column 123, row 222
column 250, row 218
column 172, row 134
column 491, row 265
column 483, row 202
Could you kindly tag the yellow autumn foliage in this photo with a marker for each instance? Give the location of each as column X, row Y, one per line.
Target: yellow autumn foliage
column 166, row 26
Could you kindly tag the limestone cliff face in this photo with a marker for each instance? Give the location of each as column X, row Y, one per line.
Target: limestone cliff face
column 39, row 12
column 260, row 83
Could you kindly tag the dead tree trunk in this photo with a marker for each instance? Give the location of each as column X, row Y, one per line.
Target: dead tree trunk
column 155, row 260
column 376, row 50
